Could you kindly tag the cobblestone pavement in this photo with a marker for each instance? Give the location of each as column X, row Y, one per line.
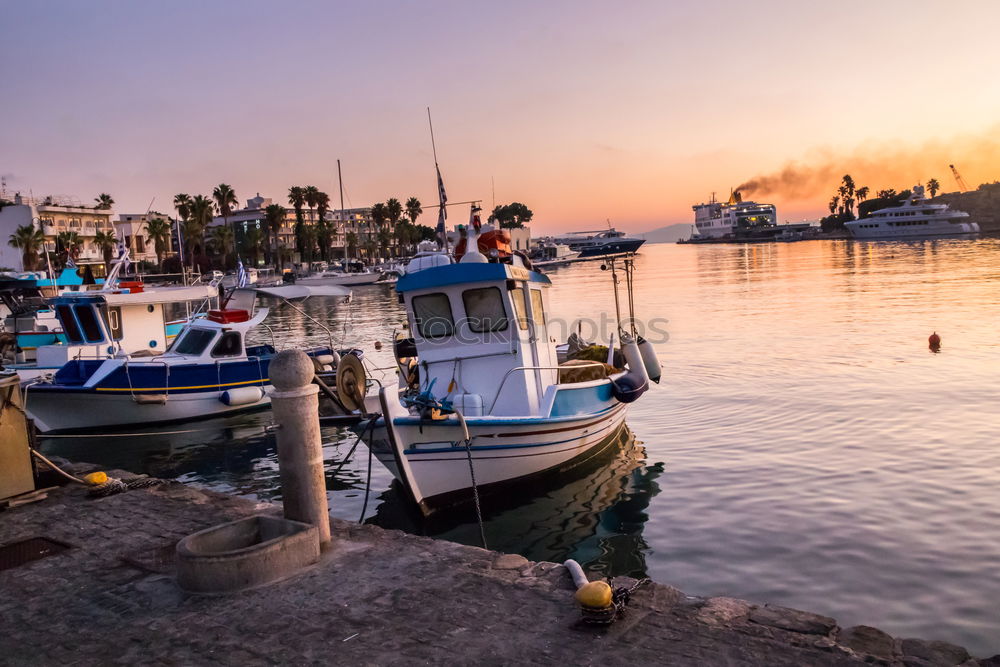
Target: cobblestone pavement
column 378, row 597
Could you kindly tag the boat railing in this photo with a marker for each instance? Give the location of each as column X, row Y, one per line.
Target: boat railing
column 536, row 369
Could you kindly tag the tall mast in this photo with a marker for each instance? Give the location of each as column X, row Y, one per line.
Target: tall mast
column 343, row 220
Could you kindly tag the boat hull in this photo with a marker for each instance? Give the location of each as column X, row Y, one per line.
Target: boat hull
column 611, row 248
column 431, row 461
column 56, row 411
column 346, row 280
column 941, row 230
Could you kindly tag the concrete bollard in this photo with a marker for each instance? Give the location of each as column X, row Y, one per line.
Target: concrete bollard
column 295, row 403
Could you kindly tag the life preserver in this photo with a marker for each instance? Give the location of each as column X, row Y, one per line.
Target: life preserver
column 495, row 239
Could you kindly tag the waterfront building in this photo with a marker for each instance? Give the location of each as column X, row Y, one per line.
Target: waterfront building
column 54, row 214
column 132, row 227
column 352, row 220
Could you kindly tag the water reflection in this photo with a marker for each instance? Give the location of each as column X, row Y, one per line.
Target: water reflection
column 594, row 514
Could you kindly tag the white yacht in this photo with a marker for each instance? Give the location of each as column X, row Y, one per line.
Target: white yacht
column 735, row 217
column 914, row 218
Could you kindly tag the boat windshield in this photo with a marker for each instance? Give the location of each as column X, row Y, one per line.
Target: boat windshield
column 193, row 342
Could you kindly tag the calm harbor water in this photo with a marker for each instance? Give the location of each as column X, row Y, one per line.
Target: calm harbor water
column 804, row 448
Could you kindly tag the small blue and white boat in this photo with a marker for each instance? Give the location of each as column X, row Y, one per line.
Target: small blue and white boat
column 208, row 371
column 482, row 369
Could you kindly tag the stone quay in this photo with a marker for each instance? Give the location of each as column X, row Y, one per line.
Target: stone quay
column 375, row 597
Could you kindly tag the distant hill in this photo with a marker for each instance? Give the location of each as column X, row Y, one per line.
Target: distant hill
column 668, row 234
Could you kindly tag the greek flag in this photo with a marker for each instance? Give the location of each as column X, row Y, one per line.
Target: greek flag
column 241, row 273
column 442, row 211
column 123, row 260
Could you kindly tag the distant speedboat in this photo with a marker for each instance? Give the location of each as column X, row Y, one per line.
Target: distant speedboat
column 351, row 274
column 599, row 243
column 914, row 218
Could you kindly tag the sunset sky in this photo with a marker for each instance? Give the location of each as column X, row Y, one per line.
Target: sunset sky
column 631, row 111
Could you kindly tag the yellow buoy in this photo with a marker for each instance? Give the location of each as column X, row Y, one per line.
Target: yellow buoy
column 96, row 478
column 595, row 595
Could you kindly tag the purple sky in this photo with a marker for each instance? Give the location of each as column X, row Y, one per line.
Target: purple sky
column 583, row 110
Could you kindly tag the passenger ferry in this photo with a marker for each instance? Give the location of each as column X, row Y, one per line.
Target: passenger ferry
column 733, row 218
column 913, row 218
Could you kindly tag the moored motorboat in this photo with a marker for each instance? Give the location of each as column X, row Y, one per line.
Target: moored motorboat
column 209, row 370
column 482, row 394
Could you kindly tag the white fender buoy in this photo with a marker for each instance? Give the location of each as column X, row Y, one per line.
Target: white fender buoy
column 242, row 396
column 649, row 359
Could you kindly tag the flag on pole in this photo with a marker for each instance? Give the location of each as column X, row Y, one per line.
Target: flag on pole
column 123, row 260
column 474, row 220
column 442, row 211
column 241, row 273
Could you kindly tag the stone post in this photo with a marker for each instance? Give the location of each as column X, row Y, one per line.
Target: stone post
column 295, row 403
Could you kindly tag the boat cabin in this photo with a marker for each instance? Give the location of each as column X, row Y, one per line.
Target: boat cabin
column 130, row 321
column 481, row 334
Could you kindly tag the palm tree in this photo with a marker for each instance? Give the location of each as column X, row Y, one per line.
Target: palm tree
column 71, row 243
column 933, row 186
column 104, row 201
column 413, row 209
column 29, row 239
column 274, row 217
column 254, row 239
column 106, row 241
column 222, row 241
column 322, row 205
column 311, row 196
column 158, row 231
column 200, row 212
column 324, row 236
column 394, row 211
column 225, row 200
column 862, row 193
column 833, row 204
column 182, row 203
column 297, row 198
column 351, row 244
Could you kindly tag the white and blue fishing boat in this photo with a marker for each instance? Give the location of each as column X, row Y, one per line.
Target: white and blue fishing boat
column 483, row 400
column 208, row 371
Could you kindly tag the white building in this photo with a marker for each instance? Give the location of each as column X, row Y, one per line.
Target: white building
column 132, row 226
column 55, row 214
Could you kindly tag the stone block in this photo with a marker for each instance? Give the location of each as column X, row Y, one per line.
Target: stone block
column 868, row 640
column 934, row 652
column 794, row 620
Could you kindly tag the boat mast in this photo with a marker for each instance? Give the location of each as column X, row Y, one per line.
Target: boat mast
column 343, row 220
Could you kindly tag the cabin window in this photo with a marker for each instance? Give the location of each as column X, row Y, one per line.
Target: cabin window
column 484, row 309
column 70, row 327
column 88, row 322
column 229, row 345
column 537, row 312
column 520, row 308
column 432, row 313
column 113, row 318
column 193, row 342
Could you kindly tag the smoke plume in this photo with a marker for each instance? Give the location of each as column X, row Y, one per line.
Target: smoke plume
column 881, row 165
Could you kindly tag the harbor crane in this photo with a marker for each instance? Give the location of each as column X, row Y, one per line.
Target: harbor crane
column 962, row 187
